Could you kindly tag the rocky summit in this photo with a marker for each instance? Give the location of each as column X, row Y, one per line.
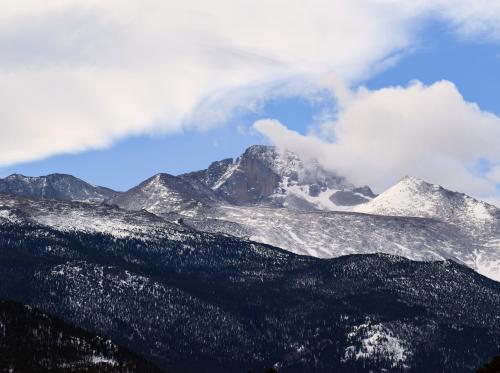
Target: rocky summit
column 267, row 175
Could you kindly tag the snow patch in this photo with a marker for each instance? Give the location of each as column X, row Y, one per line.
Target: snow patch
column 229, row 172
column 376, row 342
column 102, row 360
column 487, row 262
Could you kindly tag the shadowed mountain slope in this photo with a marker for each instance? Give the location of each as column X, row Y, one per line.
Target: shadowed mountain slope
column 33, row 341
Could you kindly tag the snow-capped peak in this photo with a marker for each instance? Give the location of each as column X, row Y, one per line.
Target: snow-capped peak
column 18, row 177
column 408, row 179
column 414, row 197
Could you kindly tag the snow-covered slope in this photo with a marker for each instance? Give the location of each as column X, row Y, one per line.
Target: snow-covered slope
column 55, row 186
column 83, row 217
column 415, row 197
column 331, row 234
column 414, row 219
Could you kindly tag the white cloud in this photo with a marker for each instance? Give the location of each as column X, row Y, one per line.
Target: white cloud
column 429, row 132
column 472, row 18
column 494, row 174
column 79, row 74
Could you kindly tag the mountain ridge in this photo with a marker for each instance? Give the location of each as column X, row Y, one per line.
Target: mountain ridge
column 412, row 196
column 55, row 186
column 209, row 185
column 288, row 205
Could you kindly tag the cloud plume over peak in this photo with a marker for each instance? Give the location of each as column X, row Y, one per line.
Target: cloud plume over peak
column 429, row 132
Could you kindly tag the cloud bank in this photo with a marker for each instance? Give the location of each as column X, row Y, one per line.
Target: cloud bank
column 379, row 136
column 80, row 74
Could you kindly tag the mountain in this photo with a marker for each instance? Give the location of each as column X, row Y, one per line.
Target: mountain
column 274, row 197
column 434, row 223
column 55, row 186
column 192, row 301
column 329, row 234
column 186, row 270
column 33, row 341
column 320, row 234
column 164, row 193
column 326, row 234
column 414, row 219
column 269, row 176
column 415, row 197
column 95, row 218
column 262, row 175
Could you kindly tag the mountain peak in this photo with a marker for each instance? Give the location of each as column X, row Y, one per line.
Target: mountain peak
column 165, row 193
column 259, row 149
column 53, row 175
column 412, row 180
column 267, row 175
column 415, row 197
column 162, row 177
column 20, row 177
column 54, row 186
column 417, row 182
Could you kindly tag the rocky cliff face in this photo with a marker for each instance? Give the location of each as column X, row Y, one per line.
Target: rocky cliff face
column 251, row 179
column 211, row 175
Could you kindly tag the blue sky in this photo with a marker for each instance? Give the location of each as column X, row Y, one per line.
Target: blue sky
column 119, row 158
